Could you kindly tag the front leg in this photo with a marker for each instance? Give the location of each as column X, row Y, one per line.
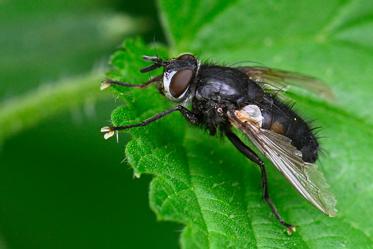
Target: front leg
column 109, row 131
column 107, row 83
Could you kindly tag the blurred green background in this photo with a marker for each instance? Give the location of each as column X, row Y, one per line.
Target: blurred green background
column 61, row 184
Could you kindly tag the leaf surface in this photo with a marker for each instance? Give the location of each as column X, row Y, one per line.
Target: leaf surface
column 203, row 182
column 332, row 40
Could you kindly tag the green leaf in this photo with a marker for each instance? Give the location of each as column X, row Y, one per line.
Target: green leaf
column 329, row 39
column 202, row 181
column 25, row 111
column 34, row 51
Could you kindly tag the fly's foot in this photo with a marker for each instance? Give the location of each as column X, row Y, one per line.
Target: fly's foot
column 105, row 84
column 290, row 229
column 108, row 132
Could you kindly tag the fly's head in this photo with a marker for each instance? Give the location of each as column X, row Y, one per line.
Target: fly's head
column 178, row 76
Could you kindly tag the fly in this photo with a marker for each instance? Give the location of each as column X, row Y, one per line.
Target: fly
column 220, row 98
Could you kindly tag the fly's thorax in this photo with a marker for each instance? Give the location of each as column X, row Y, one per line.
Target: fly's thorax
column 221, row 83
column 178, row 77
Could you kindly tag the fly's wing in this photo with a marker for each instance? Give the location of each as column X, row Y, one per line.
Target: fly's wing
column 275, row 79
column 288, row 160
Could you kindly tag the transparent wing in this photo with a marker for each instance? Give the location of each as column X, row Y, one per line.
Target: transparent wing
column 288, row 160
column 275, row 79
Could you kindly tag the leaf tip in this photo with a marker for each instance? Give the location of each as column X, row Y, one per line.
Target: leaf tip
column 136, row 175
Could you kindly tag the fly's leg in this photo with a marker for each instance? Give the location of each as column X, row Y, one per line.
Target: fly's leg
column 157, row 63
column 109, row 131
column 250, row 154
column 107, row 83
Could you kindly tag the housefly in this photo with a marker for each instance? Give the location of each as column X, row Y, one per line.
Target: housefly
column 220, row 98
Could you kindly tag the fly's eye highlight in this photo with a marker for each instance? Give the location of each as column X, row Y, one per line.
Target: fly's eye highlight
column 180, row 82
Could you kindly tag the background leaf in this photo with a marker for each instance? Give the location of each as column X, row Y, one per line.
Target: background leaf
column 210, row 187
column 28, row 110
column 61, row 184
column 332, row 40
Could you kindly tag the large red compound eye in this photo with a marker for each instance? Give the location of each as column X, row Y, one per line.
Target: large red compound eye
column 180, row 82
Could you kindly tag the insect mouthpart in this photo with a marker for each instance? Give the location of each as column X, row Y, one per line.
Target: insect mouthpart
column 157, row 63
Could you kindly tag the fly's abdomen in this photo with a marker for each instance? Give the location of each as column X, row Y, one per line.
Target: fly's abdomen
column 281, row 119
